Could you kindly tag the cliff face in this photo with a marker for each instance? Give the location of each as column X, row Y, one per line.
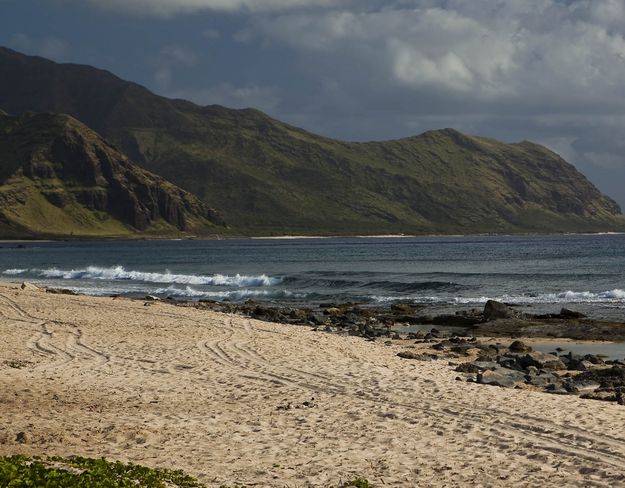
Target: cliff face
column 268, row 177
column 58, row 177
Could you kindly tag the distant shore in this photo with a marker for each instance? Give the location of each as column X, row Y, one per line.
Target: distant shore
column 226, row 237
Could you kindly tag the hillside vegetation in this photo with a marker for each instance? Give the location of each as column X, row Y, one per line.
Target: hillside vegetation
column 59, row 178
column 267, row 177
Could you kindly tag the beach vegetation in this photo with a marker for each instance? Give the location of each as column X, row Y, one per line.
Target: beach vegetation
column 80, row 472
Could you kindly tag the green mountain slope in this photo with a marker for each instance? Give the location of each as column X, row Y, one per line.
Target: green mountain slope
column 268, row 177
column 59, row 178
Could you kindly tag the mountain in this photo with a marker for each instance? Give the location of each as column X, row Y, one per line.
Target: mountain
column 268, row 177
column 60, row 178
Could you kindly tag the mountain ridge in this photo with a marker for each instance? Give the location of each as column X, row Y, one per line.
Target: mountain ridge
column 59, row 178
column 268, row 177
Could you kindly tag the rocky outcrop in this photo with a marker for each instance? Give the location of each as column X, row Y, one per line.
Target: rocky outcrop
column 71, row 167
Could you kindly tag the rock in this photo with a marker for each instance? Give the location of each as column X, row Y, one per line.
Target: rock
column 576, row 365
column 298, row 314
column 591, row 358
column 556, row 389
column 21, row 437
column 541, row 380
column 29, row 286
column 60, row 291
column 503, row 377
column 518, row 346
column 541, row 360
column 468, row 368
column 456, row 320
column 494, row 310
column 402, row 308
column 333, row 311
column 486, row 365
column 565, row 313
column 414, row 355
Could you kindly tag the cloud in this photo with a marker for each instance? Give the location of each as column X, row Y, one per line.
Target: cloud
column 167, row 8
column 547, row 70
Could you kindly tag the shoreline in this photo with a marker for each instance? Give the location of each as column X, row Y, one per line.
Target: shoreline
column 139, row 238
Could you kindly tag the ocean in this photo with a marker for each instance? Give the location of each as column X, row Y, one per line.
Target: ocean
column 541, row 273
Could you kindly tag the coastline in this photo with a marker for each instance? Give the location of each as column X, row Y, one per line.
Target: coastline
column 234, row 400
column 231, row 237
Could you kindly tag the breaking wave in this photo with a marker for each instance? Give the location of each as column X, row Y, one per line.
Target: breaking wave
column 119, row 273
column 610, row 296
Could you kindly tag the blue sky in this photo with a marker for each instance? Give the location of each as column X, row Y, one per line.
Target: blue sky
column 550, row 71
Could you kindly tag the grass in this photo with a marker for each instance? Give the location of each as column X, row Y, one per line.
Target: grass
column 80, row 472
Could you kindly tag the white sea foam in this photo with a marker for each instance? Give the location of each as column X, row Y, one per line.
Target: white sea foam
column 609, row 296
column 14, row 272
column 118, row 273
column 189, row 292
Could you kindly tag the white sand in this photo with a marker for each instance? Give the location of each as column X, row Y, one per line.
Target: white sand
column 196, row 390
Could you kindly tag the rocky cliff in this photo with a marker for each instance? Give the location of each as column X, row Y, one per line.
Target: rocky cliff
column 58, row 177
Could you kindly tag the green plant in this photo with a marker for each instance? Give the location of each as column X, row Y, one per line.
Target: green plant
column 79, row 472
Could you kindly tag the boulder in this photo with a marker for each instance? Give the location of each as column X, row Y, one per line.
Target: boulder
column 519, row 346
column 468, row 368
column 576, row 365
column 503, row 377
column 541, row 380
column 565, row 313
column 541, row 360
column 494, row 310
column 332, row 311
column 402, row 308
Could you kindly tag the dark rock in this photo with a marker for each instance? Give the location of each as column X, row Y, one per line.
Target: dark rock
column 591, row 358
column 541, row 360
column 565, row 313
column 414, row 355
column 494, row 310
column 556, row 389
column 541, row 380
column 402, row 308
column 334, row 311
column 456, row 320
column 467, row 368
column 576, row 365
column 518, row 346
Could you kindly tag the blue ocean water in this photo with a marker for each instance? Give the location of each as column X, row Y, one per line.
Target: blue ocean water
column 544, row 272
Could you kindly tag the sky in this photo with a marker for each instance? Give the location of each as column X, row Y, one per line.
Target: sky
column 548, row 71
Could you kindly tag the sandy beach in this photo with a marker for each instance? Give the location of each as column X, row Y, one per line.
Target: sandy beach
column 232, row 400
